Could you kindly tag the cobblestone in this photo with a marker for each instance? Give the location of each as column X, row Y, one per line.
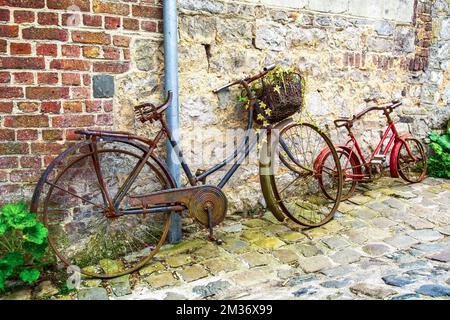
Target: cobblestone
column 399, row 252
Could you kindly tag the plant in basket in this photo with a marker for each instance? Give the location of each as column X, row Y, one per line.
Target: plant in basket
column 280, row 95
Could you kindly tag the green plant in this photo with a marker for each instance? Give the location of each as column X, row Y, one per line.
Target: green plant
column 23, row 242
column 439, row 161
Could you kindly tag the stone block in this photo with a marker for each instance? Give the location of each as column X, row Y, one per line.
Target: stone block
column 366, row 8
column 332, row 6
column 293, row 4
column 399, row 10
column 103, row 86
column 270, row 36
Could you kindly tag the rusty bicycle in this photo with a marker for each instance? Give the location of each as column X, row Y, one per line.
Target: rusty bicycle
column 107, row 200
column 407, row 159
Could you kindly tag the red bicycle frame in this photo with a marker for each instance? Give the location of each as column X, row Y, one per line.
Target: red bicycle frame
column 354, row 150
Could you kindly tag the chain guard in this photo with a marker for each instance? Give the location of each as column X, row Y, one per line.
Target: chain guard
column 208, row 195
column 195, row 199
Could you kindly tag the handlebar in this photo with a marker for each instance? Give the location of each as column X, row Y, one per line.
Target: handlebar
column 387, row 108
column 247, row 80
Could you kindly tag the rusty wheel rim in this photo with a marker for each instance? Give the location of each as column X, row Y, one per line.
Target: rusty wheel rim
column 307, row 210
column 405, row 164
column 134, row 266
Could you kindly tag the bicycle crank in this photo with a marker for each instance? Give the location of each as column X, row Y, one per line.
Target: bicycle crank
column 206, row 204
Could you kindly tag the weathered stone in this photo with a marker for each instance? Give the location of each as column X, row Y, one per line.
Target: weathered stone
column 404, row 40
column 103, row 86
column 443, row 256
column 91, row 283
column 383, row 222
column 372, row 290
column 285, row 255
column 406, row 296
column 161, row 280
column 300, row 279
column 314, row 264
column 337, row 271
column 93, row 294
column 426, row 235
column 346, row 256
column 417, row 223
column 198, row 109
column 23, row 294
column 255, row 259
column 384, row 28
column 120, row 286
column 434, row 290
column 215, row 266
column 237, row 227
column 445, row 230
column 429, row 247
column 253, row 235
column 308, row 290
column 397, row 281
column 179, row 260
column 336, row 243
column 252, row 277
column 212, row 288
column 335, row 283
column 204, row 5
column 291, row 236
column 270, row 36
column 192, row 273
column 111, row 266
column 401, row 241
column 208, row 251
column 308, row 250
column 364, row 214
column 45, row 290
column 199, row 29
column 255, row 223
column 235, row 245
column 269, row 243
column 394, row 203
column 375, row 249
column 174, row 296
column 153, row 267
column 413, row 265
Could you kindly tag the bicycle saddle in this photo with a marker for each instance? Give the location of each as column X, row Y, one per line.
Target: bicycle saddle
column 343, row 121
column 149, row 112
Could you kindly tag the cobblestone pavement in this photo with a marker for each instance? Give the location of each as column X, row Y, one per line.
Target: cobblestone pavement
column 390, row 241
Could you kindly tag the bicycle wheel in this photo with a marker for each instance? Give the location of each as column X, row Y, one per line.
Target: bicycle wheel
column 82, row 230
column 294, row 181
column 328, row 174
column 412, row 163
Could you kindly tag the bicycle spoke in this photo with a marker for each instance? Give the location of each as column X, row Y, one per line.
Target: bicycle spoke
column 74, row 195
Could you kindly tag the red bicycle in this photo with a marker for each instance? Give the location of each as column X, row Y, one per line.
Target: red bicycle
column 407, row 159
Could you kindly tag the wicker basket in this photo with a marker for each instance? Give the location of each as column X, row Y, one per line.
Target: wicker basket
column 283, row 102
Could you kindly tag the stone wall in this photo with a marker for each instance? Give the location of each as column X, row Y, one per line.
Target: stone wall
column 352, row 52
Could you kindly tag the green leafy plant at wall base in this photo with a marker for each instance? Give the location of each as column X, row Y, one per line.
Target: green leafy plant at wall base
column 439, row 161
column 23, row 241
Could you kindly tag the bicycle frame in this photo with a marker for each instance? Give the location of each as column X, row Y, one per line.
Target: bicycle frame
column 239, row 155
column 354, row 148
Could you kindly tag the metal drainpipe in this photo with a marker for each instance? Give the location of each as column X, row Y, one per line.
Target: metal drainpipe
column 171, row 83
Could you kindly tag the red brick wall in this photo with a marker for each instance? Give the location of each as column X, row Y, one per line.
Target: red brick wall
column 49, row 55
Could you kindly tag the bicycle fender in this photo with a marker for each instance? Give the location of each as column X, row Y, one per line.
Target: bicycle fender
column 394, row 155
